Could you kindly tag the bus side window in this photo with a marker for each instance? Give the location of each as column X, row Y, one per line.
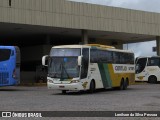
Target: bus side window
column 116, row 57
column 130, row 58
column 93, row 55
column 153, row 62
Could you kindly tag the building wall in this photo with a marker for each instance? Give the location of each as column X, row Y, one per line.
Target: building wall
column 34, row 53
column 66, row 14
column 31, row 58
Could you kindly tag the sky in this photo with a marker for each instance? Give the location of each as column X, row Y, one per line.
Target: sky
column 145, row 5
column 140, row 49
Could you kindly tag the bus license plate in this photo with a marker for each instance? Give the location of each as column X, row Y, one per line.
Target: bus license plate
column 61, row 86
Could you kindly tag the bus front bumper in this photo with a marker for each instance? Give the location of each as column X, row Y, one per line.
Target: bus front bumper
column 71, row 86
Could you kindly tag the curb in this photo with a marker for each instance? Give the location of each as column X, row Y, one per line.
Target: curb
column 33, row 84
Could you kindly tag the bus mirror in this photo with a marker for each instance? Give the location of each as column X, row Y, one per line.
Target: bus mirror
column 44, row 60
column 137, row 67
column 79, row 60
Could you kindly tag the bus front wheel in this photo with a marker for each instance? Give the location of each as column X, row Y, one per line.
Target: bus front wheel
column 152, row 79
column 92, row 87
column 63, row 91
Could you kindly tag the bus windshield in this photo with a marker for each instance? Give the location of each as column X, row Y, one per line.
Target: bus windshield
column 140, row 65
column 63, row 67
column 65, row 52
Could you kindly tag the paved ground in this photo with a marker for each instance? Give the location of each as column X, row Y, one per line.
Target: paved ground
column 143, row 97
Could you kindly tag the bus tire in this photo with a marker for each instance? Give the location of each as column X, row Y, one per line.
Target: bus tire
column 152, row 79
column 63, row 91
column 92, row 87
column 127, row 80
column 125, row 84
column 121, row 85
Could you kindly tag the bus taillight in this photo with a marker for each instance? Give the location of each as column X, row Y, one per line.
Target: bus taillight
column 14, row 73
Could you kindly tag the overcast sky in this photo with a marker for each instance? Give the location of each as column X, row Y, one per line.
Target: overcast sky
column 145, row 5
column 140, row 49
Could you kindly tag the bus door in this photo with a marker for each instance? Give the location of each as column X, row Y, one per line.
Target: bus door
column 140, row 68
column 85, row 63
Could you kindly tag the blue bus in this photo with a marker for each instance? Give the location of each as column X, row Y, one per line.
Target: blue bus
column 9, row 65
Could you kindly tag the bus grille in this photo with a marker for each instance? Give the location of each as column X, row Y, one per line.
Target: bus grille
column 4, row 78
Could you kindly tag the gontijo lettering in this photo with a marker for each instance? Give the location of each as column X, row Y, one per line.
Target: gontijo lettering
column 121, row 68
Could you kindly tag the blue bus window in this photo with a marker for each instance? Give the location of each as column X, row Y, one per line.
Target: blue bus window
column 4, row 54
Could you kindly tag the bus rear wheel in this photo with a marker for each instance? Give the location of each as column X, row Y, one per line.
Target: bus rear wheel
column 152, row 79
column 125, row 85
column 121, row 85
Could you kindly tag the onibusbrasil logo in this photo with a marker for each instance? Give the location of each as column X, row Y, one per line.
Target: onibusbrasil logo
column 21, row 114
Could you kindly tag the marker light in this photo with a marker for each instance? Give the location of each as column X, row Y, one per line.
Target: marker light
column 75, row 81
column 50, row 81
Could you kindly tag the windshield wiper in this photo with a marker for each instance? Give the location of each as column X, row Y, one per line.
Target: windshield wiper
column 52, row 74
column 63, row 68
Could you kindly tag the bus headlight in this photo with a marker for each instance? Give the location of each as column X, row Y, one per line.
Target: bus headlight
column 50, row 81
column 75, row 81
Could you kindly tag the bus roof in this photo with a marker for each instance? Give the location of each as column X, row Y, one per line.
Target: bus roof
column 94, row 46
column 7, row 47
column 148, row 57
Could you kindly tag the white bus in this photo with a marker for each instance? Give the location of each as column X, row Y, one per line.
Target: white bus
column 89, row 67
column 147, row 69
